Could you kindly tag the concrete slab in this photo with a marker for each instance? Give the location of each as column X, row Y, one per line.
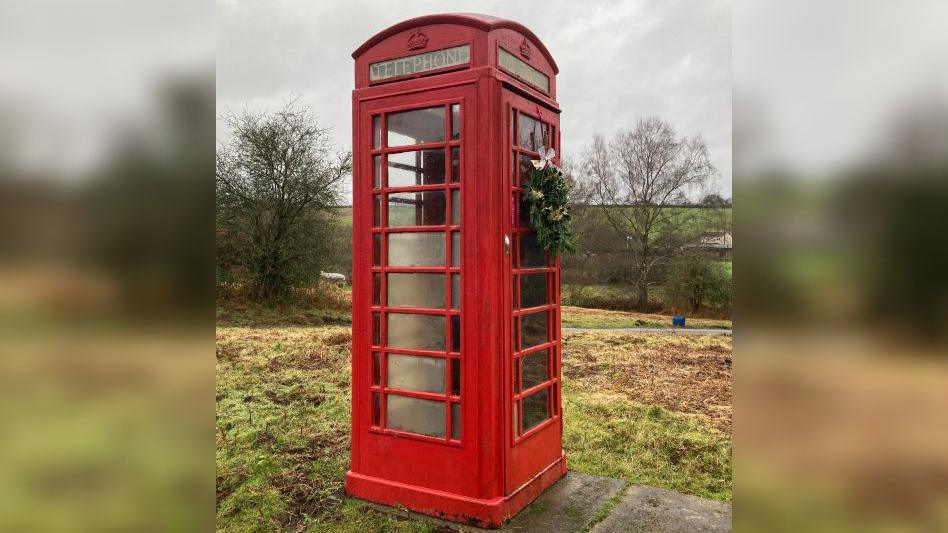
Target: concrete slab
column 651, row 510
column 567, row 507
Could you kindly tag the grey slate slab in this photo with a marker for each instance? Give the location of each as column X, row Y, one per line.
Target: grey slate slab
column 567, row 506
column 651, row 510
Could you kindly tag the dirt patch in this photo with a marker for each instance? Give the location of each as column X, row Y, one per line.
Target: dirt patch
column 681, row 377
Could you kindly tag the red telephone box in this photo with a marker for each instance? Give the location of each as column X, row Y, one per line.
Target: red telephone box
column 456, row 317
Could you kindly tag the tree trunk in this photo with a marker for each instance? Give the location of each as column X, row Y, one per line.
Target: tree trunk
column 643, row 295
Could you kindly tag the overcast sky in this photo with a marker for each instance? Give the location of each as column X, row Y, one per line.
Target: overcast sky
column 618, row 60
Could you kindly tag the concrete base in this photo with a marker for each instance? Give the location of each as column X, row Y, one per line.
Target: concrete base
column 573, row 503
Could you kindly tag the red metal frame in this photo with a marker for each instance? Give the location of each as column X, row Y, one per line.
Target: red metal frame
column 492, row 471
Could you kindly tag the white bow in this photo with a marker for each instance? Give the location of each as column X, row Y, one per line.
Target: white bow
column 546, row 158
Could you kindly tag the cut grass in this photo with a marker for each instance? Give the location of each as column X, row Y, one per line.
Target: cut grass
column 580, row 317
column 283, row 420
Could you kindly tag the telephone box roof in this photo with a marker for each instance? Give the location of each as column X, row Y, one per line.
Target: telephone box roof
column 485, row 23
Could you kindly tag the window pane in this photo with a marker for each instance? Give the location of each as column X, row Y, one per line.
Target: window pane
column 523, row 210
column 536, row 369
column 416, row 209
column 414, row 415
column 456, row 421
column 455, row 122
column 377, row 249
column 376, row 408
column 416, row 290
column 455, row 249
column 416, row 126
column 531, row 133
column 455, row 164
column 526, row 166
column 513, row 169
column 455, row 333
column 423, row 167
column 416, row 332
column 456, row 206
column 377, row 172
column 533, row 290
column 376, row 132
column 455, row 291
column 376, row 288
column 456, row 377
column 533, row 330
column 516, row 418
column 416, row 249
column 376, row 329
column 531, row 254
column 516, row 376
column 536, row 409
column 411, row 372
column 376, row 368
column 376, row 210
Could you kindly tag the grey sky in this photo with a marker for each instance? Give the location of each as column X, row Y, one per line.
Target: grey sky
column 618, row 60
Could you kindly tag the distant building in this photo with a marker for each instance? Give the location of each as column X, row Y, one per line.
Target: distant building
column 719, row 244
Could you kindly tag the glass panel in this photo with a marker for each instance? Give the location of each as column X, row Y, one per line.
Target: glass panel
column 411, row 372
column 376, row 211
column 513, row 126
column 526, row 166
column 456, row 206
column 376, row 408
column 416, row 249
column 513, row 169
column 376, row 288
column 423, row 167
column 376, row 132
column 456, row 377
column 531, row 254
column 523, row 210
column 515, row 336
column 414, row 415
column 536, row 409
column 533, row 330
column 377, row 249
column 377, row 172
column 533, row 290
column 455, row 333
column 376, row 329
column 531, row 133
column 416, row 209
column 416, row 332
column 455, row 122
column 376, row 368
column 456, row 421
column 455, row 291
column 416, row 126
column 536, row 369
column 455, row 164
column 455, row 249
column 416, row 290
column 516, row 418
column 516, row 376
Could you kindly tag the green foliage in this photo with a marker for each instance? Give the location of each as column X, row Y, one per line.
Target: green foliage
column 548, row 195
column 696, row 281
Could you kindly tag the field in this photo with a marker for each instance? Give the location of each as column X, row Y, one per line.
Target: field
column 651, row 409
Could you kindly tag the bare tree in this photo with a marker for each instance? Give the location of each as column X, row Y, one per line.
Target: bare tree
column 277, row 179
column 637, row 180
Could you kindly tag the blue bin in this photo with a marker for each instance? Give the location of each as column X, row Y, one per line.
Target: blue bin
column 678, row 321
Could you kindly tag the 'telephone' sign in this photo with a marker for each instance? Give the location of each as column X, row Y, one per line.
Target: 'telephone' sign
column 403, row 66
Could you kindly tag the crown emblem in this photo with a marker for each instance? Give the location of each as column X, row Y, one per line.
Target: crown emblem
column 417, row 40
column 525, row 49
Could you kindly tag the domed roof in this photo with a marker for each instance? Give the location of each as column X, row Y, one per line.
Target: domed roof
column 485, row 23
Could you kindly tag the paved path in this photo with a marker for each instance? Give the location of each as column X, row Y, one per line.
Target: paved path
column 664, row 331
column 575, row 502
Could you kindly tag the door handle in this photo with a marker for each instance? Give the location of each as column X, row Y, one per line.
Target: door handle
column 506, row 244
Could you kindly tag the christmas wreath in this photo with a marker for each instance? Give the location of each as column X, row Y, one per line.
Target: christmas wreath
column 548, row 196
